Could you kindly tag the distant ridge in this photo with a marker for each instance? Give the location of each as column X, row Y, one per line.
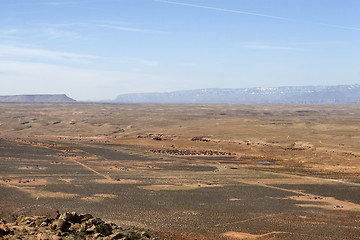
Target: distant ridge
column 276, row 95
column 38, row 98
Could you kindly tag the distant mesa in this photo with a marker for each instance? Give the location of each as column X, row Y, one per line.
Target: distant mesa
column 342, row 94
column 39, row 98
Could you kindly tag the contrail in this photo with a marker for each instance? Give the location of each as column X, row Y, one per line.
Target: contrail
column 256, row 14
column 221, row 9
column 339, row 26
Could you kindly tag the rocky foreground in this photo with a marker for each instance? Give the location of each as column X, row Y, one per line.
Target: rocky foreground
column 67, row 226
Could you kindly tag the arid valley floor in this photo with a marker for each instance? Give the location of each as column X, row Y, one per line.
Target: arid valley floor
column 187, row 171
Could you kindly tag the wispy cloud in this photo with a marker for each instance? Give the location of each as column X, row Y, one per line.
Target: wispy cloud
column 221, row 9
column 296, row 46
column 8, row 33
column 43, row 31
column 145, row 62
column 126, row 29
column 59, row 3
column 13, row 52
column 119, row 26
column 325, row 43
column 261, row 46
column 54, row 33
column 111, row 25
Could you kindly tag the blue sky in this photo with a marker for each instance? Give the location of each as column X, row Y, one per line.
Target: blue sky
column 98, row 49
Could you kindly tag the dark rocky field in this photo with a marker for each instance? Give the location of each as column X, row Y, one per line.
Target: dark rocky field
column 298, row 180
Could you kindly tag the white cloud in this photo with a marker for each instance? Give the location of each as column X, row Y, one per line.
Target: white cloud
column 8, row 33
column 55, row 34
column 111, row 25
column 145, row 62
column 260, row 46
column 189, row 65
column 123, row 28
column 13, row 52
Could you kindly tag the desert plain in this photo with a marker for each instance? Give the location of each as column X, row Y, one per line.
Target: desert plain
column 187, row 171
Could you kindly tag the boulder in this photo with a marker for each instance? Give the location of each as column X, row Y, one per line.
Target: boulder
column 56, row 237
column 42, row 236
column 70, row 217
column 85, row 217
column 116, row 236
column 61, row 225
column 75, row 227
column 94, row 221
column 90, row 230
column 4, row 229
column 98, row 235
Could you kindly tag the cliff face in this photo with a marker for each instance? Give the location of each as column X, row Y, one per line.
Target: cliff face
column 276, row 95
column 42, row 98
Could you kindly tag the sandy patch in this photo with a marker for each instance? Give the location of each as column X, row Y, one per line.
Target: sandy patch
column 32, row 168
column 76, row 151
column 176, row 187
column 46, row 194
column 112, row 168
column 98, row 197
column 148, row 167
column 67, row 180
column 117, row 181
column 56, row 162
column 340, row 169
column 243, row 236
column 24, row 181
column 36, row 193
column 88, row 158
column 285, row 180
column 328, row 203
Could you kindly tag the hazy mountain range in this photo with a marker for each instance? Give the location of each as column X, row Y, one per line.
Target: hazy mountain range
column 40, row 98
column 275, row 95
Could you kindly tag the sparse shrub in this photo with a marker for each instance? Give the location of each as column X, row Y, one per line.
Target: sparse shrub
column 133, row 236
column 147, row 235
column 103, row 228
column 14, row 217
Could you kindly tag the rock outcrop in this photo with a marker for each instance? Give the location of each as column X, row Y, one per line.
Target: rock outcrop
column 67, row 226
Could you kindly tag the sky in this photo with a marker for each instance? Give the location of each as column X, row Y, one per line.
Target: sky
column 98, row 49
